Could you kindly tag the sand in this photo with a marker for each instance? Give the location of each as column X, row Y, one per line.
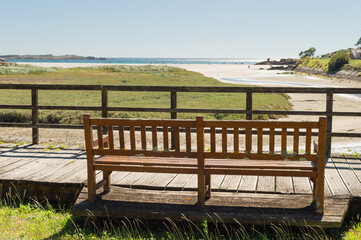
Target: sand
column 255, row 75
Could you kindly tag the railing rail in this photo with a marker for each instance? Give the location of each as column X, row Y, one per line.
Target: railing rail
column 173, row 110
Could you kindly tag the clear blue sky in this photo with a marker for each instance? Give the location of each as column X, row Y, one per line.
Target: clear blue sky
column 170, row 28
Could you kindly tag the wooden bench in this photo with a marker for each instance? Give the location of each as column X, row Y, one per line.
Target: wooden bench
column 120, row 151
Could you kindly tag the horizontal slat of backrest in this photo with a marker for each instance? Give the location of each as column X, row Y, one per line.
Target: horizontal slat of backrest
column 142, row 122
column 259, row 124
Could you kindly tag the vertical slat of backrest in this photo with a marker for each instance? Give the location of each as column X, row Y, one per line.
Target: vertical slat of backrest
column 132, row 137
column 165, row 138
column 259, row 140
column 284, row 141
column 235, row 140
column 154, row 138
column 224, row 140
column 213, row 139
column 271, row 140
column 248, row 140
column 188, row 140
column 308, row 140
column 111, row 137
column 143, row 137
column 100, row 137
column 121, row 137
column 296, row 140
column 176, row 139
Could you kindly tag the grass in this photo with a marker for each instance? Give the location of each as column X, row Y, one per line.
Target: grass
column 32, row 220
column 128, row 75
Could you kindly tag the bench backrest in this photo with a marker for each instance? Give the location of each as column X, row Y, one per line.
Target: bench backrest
column 123, row 139
column 272, row 139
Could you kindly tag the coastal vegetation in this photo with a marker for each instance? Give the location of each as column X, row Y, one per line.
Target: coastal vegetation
column 341, row 61
column 49, row 57
column 149, row 75
column 21, row 219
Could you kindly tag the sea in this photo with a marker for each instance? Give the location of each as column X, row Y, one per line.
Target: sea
column 248, row 61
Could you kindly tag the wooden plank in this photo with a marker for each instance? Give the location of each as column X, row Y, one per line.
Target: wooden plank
column 296, row 138
column 213, row 139
column 272, row 140
column 179, row 182
column 259, row 124
column 259, row 140
column 235, row 140
column 284, row 185
column 248, row 140
column 111, row 137
column 224, row 140
column 176, row 140
column 132, row 138
column 302, row 185
column 355, row 166
column 266, row 184
column 165, row 139
column 308, row 141
column 130, row 179
column 188, row 140
column 230, row 183
column 348, row 176
column 284, row 141
column 248, row 184
column 192, row 183
column 216, row 182
column 334, row 180
column 145, row 180
column 118, row 176
column 154, row 138
column 162, row 181
column 143, row 136
column 121, row 137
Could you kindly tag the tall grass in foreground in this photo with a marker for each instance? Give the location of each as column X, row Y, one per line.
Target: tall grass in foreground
column 33, row 220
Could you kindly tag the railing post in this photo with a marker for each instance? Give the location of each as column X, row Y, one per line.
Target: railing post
column 173, row 115
column 329, row 109
column 104, row 108
column 104, row 103
column 249, row 105
column 34, row 115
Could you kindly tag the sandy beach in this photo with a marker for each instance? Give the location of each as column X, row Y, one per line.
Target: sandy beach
column 258, row 75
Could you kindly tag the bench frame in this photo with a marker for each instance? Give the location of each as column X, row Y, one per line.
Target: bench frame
column 204, row 164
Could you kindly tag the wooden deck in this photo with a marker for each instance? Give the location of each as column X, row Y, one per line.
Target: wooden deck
column 61, row 175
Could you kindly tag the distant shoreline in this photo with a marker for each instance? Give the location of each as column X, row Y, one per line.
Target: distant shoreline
column 225, row 61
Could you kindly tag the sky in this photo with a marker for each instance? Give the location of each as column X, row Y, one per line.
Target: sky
column 174, row 28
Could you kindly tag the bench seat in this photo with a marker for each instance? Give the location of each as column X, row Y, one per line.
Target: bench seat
column 212, row 166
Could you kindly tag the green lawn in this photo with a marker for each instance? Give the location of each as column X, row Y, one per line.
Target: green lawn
column 126, row 75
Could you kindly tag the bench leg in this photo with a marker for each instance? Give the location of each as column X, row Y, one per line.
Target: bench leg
column 314, row 187
column 91, row 185
column 320, row 182
column 208, row 186
column 201, row 191
column 106, row 175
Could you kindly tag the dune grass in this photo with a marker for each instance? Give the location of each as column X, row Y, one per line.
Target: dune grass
column 32, row 220
column 129, row 75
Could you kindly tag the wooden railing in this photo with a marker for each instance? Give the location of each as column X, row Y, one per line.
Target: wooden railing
column 173, row 109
